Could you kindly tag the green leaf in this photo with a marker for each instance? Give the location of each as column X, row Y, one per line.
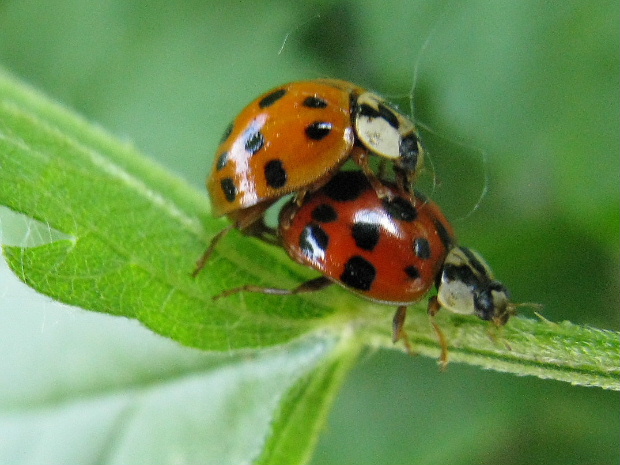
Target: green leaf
column 110, row 392
column 135, row 233
column 307, row 406
column 111, row 232
column 126, row 236
column 532, row 86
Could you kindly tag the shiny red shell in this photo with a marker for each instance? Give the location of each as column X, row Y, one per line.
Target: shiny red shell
column 286, row 140
column 389, row 251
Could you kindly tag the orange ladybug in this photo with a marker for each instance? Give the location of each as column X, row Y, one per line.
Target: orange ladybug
column 293, row 139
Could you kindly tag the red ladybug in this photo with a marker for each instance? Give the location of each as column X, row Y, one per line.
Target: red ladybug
column 389, row 250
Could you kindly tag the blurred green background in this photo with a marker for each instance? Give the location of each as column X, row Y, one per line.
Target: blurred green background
column 520, row 98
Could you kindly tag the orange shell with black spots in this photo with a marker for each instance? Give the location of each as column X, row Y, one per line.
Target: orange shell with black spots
column 289, row 139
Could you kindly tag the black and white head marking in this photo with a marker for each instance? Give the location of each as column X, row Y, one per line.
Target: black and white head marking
column 386, row 132
column 467, row 286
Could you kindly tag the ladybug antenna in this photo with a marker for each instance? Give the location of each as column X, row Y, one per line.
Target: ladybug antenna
column 514, row 306
column 532, row 305
column 511, row 310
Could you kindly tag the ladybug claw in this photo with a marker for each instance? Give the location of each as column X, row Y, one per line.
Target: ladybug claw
column 398, row 329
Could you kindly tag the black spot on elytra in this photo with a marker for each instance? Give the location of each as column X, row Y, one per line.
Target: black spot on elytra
column 313, row 241
column 422, row 248
column 275, row 174
column 324, row 213
column 271, row 98
column 412, row 272
column 400, row 209
column 227, row 132
column 366, row 235
column 229, row 189
column 409, row 152
column 358, row 273
column 254, row 142
column 318, row 130
column 315, row 102
column 346, row 186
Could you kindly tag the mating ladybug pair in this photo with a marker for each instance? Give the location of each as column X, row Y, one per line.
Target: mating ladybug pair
column 293, row 139
column 377, row 238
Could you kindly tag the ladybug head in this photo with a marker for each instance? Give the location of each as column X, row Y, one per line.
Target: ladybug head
column 467, row 286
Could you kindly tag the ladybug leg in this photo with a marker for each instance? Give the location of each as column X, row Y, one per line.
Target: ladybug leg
column 202, row 261
column 259, row 230
column 404, row 179
column 361, row 158
column 312, row 285
column 263, row 232
column 300, row 197
column 250, row 222
column 433, row 307
column 290, row 209
column 398, row 329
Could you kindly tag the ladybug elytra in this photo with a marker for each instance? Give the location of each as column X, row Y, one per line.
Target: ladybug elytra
column 293, row 139
column 389, row 250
